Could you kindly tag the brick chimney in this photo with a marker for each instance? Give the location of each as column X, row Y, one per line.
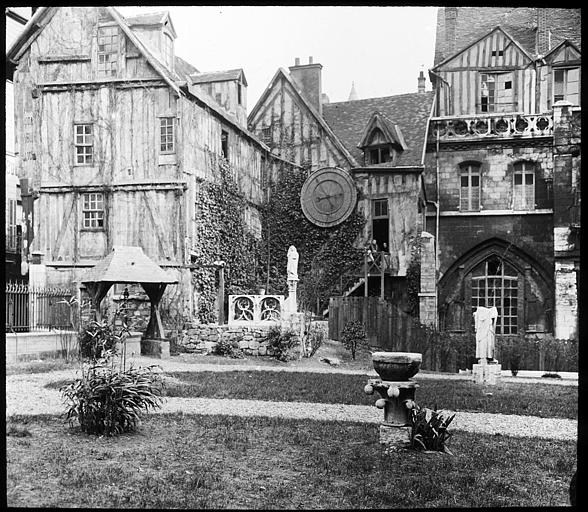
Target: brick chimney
column 450, row 26
column 308, row 79
column 542, row 34
column 421, row 82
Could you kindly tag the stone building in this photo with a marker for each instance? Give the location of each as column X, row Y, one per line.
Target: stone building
column 503, row 166
column 118, row 136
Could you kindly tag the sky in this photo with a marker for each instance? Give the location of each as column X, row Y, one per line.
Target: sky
column 380, row 49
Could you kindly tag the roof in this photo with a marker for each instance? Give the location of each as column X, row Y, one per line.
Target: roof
column 154, row 18
column 519, row 22
column 281, row 73
column 218, row 76
column 390, row 130
column 127, row 264
column 183, row 69
column 411, row 112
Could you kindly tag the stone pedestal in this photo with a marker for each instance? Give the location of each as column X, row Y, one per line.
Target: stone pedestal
column 291, row 302
column 486, row 373
column 155, row 348
column 397, row 399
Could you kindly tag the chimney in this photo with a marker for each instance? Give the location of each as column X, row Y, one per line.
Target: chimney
column 450, row 25
column 308, row 78
column 542, row 35
column 421, row 82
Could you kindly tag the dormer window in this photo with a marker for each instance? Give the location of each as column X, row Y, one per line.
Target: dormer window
column 379, row 155
column 381, row 141
column 378, row 150
column 168, row 51
column 107, row 50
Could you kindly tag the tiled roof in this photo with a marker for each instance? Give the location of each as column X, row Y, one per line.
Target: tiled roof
column 519, row 22
column 127, row 264
column 410, row 112
column 217, row 76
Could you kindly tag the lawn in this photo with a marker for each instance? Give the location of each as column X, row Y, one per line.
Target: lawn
column 190, row 461
column 536, row 399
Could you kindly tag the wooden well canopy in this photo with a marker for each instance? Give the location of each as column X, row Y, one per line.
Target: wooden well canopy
column 128, row 264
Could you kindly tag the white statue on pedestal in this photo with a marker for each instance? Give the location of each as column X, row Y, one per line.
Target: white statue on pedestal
column 292, row 267
column 485, row 324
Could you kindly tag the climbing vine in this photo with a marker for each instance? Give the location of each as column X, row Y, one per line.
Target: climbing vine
column 221, row 235
column 325, row 253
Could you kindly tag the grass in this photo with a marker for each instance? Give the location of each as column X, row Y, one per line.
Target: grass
column 44, row 366
column 190, row 461
column 536, row 399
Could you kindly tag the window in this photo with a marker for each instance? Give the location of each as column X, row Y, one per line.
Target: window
column 469, row 190
column 496, row 92
column 566, row 85
column 168, row 52
column 239, row 93
column 495, row 284
column 380, row 208
column 225, row 144
column 11, row 225
column 167, row 135
column 84, row 144
column 524, row 186
column 497, row 53
column 93, row 210
column 379, row 155
column 107, row 50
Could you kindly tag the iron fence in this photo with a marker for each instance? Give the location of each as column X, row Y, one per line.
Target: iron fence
column 36, row 309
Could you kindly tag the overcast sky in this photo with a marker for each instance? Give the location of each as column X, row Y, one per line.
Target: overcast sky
column 381, row 49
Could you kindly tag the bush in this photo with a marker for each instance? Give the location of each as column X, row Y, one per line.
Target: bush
column 97, row 340
column 107, row 402
column 353, row 336
column 281, row 342
column 225, row 348
column 315, row 337
column 429, row 429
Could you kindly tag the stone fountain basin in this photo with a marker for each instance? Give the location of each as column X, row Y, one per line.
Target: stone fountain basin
column 396, row 366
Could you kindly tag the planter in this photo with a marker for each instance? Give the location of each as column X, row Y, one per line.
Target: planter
column 396, row 366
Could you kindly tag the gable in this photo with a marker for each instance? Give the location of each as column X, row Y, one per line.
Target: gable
column 496, row 49
column 379, row 130
column 564, row 55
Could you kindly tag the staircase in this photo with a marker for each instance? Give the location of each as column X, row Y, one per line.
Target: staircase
column 349, row 291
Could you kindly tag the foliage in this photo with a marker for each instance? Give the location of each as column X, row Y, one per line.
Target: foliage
column 108, row 402
column 222, row 235
column 550, row 375
column 225, row 348
column 325, row 253
column 315, row 337
column 413, row 277
column 353, row 336
column 97, row 340
column 429, row 429
column 280, row 342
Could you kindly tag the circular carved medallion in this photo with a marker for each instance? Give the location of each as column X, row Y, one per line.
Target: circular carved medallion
column 328, row 196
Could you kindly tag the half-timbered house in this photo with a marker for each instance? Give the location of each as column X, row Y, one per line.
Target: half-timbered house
column 116, row 136
column 380, row 142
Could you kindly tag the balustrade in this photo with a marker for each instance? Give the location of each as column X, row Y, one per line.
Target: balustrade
column 255, row 308
column 491, row 126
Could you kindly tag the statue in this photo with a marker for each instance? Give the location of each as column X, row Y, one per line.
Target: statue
column 292, row 267
column 485, row 324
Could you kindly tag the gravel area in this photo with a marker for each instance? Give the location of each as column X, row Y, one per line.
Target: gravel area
column 25, row 394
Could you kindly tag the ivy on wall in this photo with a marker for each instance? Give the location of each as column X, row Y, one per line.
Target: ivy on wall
column 221, row 234
column 325, row 253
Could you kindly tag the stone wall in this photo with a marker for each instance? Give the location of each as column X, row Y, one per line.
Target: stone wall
column 202, row 338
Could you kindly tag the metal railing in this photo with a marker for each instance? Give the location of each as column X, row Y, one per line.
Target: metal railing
column 36, row 309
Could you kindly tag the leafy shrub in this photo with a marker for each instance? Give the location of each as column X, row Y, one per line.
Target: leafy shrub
column 429, row 429
column 96, row 340
column 281, row 342
column 550, row 375
column 225, row 348
column 107, row 402
column 353, row 336
column 315, row 337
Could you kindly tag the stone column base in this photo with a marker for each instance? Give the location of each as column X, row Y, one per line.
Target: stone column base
column 486, row 373
column 155, row 348
column 395, row 437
